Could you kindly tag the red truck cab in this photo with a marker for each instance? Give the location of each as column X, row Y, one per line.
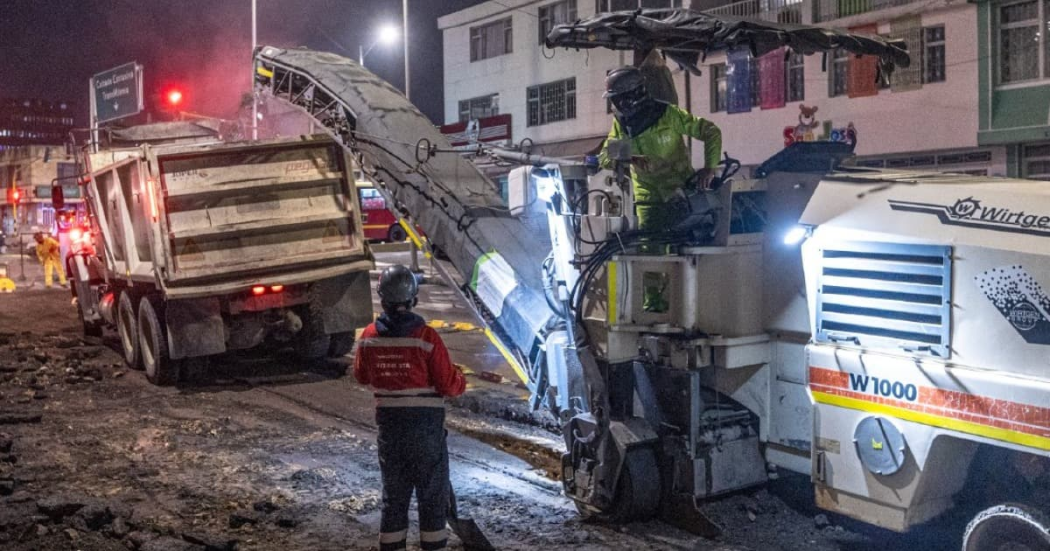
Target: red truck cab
column 379, row 223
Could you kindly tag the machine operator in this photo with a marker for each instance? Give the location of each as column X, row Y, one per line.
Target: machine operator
column 660, row 163
column 659, row 158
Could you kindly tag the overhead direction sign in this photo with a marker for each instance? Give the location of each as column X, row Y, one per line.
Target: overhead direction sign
column 117, row 93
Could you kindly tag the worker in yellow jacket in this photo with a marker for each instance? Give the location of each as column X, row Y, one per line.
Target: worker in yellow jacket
column 660, row 164
column 48, row 252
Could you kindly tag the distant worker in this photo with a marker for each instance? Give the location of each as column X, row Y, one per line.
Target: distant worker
column 48, row 252
column 660, row 164
column 407, row 364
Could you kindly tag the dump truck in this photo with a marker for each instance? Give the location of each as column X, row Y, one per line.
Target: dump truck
column 197, row 247
column 878, row 331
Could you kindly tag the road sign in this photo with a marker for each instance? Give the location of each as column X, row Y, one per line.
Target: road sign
column 117, row 93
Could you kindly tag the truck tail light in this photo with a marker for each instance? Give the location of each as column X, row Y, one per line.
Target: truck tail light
column 152, row 199
column 258, row 290
column 276, row 288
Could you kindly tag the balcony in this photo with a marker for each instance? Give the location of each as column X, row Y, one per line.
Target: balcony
column 776, row 11
column 827, row 10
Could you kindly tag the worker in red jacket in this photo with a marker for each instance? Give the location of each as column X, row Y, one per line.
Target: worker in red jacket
column 407, row 364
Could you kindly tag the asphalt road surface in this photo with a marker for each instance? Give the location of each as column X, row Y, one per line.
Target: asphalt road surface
column 259, row 452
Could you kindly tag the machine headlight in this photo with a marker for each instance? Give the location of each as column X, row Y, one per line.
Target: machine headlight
column 797, row 234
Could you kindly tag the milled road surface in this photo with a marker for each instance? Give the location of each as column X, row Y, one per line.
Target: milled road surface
column 261, row 453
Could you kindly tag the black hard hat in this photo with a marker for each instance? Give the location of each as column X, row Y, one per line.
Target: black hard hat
column 397, row 286
column 623, row 80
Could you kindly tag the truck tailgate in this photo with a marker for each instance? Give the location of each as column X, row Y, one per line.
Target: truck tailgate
column 230, row 212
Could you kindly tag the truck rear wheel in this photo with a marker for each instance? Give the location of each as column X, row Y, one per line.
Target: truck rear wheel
column 340, row 344
column 127, row 328
column 1008, row 527
column 161, row 370
column 312, row 343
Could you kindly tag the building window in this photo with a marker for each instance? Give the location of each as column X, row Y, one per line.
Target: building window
column 795, row 74
column 551, row 102
column 557, row 13
column 839, row 82
column 479, row 107
column 719, row 88
column 1019, row 41
column 624, row 5
column 491, row 40
column 1037, row 162
column 933, row 54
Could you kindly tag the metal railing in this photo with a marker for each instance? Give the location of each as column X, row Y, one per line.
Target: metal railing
column 826, row 10
column 777, row 11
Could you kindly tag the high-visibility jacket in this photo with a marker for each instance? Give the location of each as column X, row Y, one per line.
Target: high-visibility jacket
column 406, row 363
column 48, row 249
column 662, row 145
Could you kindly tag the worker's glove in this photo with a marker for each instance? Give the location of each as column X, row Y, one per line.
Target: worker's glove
column 703, row 179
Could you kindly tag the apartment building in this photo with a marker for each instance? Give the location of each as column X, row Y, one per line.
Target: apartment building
column 1014, row 83
column 925, row 117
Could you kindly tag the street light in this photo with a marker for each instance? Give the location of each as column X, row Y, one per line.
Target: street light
column 388, row 34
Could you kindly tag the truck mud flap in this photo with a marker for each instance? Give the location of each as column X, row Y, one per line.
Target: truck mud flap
column 194, row 328
column 346, row 301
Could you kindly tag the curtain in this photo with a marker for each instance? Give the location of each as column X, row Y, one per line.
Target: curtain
column 863, row 69
column 771, row 79
column 738, row 76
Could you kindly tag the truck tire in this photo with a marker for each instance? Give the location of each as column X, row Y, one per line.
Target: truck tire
column 312, row 343
column 340, row 344
column 396, row 234
column 128, row 330
column 161, row 370
column 1009, row 526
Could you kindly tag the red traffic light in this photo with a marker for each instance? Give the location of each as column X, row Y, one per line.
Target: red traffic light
column 13, row 195
column 174, row 98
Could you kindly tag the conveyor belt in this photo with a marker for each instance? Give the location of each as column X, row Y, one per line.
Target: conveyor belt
column 460, row 209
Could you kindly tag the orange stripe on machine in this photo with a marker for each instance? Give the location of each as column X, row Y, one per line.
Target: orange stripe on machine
column 950, row 404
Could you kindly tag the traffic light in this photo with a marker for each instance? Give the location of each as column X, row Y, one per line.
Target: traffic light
column 174, row 98
column 13, row 195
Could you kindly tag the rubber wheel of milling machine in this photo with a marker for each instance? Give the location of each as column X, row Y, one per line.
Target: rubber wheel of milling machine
column 637, row 493
column 1008, row 527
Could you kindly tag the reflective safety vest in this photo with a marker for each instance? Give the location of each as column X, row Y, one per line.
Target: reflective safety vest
column 409, row 371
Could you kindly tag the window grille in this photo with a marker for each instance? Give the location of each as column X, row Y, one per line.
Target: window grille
column 551, row 102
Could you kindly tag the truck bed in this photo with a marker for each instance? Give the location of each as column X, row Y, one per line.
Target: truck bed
column 236, row 212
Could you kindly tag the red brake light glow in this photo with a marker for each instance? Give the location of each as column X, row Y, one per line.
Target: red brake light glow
column 258, row 290
column 277, row 288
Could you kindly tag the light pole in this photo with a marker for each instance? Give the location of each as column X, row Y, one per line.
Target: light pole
column 255, row 97
column 404, row 25
column 387, row 35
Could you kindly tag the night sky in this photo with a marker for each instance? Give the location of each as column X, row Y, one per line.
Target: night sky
column 50, row 48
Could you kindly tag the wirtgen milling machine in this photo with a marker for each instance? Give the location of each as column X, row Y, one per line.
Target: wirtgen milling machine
column 897, row 336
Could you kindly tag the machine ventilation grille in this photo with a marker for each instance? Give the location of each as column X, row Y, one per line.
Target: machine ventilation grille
column 885, row 295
